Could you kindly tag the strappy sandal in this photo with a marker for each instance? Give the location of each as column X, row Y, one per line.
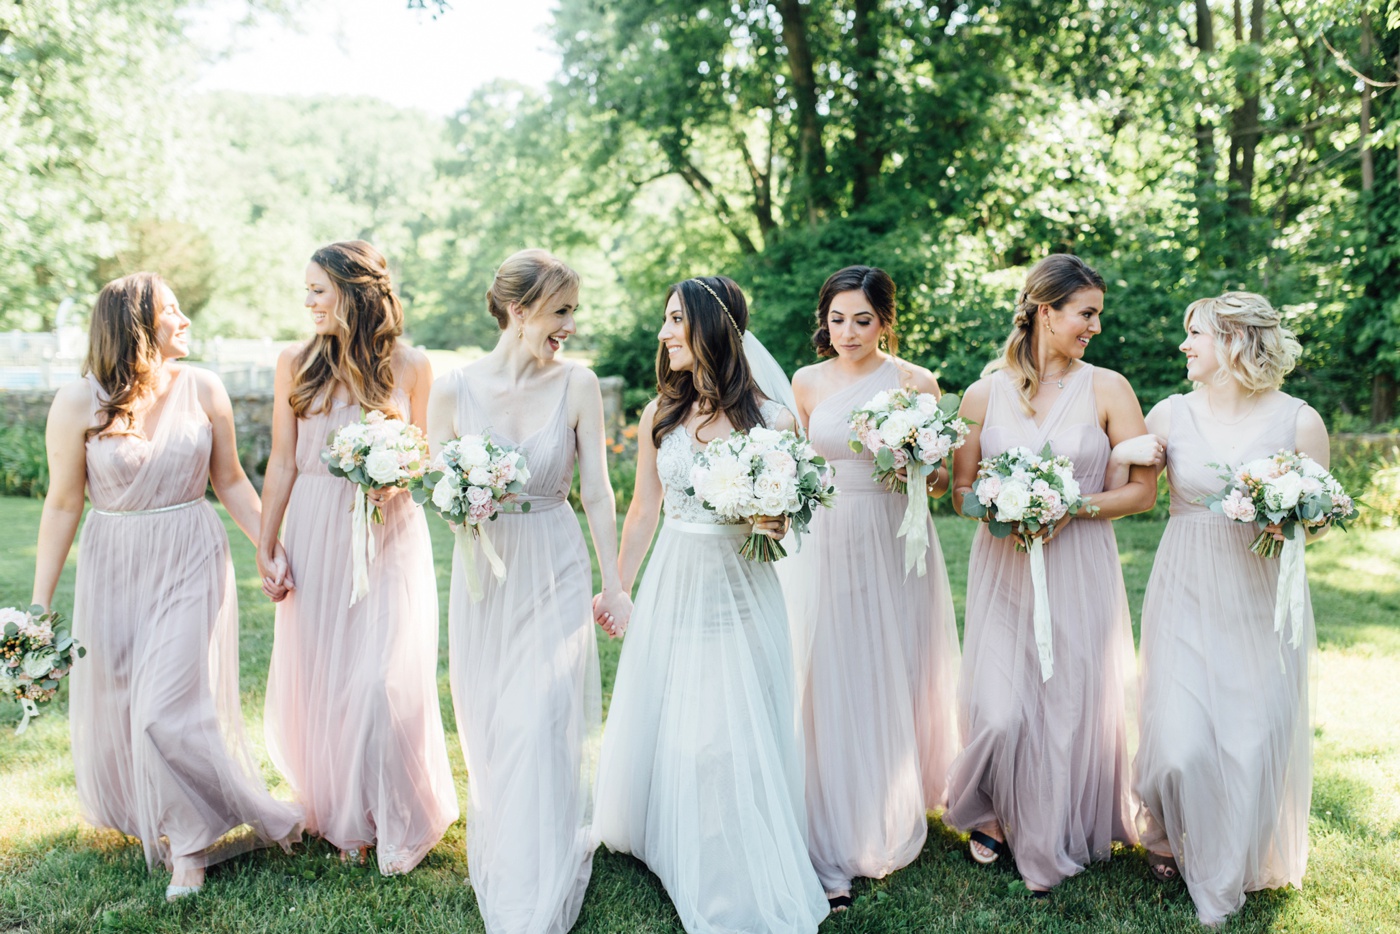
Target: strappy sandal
column 1163, row 868
column 839, row 902
column 985, row 841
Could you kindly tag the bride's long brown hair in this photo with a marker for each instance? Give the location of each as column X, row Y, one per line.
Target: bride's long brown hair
column 360, row 354
column 123, row 350
column 720, row 380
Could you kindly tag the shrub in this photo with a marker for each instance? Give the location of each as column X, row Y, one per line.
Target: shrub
column 24, row 463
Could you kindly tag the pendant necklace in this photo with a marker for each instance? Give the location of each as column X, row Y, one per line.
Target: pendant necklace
column 1058, row 378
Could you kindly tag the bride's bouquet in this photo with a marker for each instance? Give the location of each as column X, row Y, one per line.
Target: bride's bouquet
column 761, row 472
column 375, row 453
column 37, row 651
column 1024, row 494
column 1295, row 492
column 914, row 431
column 468, row 483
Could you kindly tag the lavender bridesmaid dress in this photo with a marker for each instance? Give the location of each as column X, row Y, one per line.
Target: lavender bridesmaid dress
column 1049, row 760
column 878, row 696
column 1225, row 762
column 525, row 686
column 158, row 746
column 352, row 716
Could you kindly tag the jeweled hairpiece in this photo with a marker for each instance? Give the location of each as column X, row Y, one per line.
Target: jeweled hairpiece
column 722, row 305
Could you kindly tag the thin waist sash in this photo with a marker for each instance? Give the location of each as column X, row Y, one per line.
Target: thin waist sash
column 730, row 529
column 147, row 512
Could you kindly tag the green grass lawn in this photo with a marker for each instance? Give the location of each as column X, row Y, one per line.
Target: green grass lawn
column 58, row 874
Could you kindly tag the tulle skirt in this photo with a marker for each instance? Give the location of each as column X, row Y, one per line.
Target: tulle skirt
column 878, row 697
column 1224, row 768
column 158, row 745
column 701, row 770
column 352, row 707
column 1048, row 760
column 526, row 689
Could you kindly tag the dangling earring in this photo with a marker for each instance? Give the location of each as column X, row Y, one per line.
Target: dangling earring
column 884, row 343
column 520, row 330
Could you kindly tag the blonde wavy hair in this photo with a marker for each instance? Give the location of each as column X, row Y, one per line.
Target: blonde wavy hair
column 123, row 350
column 525, row 278
column 1251, row 343
column 1053, row 281
column 360, row 353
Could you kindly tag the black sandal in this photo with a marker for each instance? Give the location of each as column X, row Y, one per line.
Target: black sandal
column 839, row 903
column 1163, row 868
column 998, row 847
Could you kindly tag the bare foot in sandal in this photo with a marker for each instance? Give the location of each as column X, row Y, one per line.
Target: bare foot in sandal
column 987, row 843
column 1163, row 867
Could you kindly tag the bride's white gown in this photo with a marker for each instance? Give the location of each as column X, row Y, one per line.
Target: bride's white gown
column 701, row 769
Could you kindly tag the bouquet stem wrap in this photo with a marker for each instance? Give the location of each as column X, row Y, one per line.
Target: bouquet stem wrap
column 1292, row 579
column 914, row 527
column 31, row 710
column 361, row 546
column 1044, row 635
column 466, row 541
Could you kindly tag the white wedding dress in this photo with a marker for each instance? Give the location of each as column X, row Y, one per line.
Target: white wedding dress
column 701, row 774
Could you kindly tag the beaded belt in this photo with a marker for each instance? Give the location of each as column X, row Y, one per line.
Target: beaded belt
column 148, row 512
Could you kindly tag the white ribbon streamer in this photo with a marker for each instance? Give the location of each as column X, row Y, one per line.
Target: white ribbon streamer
column 1292, row 579
column 31, row 710
column 361, row 546
column 914, row 527
column 1044, row 635
column 466, row 541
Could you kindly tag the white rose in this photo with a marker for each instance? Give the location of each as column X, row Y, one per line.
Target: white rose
column 878, row 401
column 1071, row 486
column 479, row 475
column 927, row 403
column 39, row 664
column 382, row 466
column 780, row 463
column 478, row 496
column 444, row 495
column 766, row 437
column 473, row 454
column 1284, row 492
column 11, row 615
column 1012, row 501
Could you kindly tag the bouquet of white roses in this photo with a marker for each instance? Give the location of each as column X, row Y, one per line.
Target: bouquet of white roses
column 36, row 652
column 914, row 431
column 467, row 484
column 1295, row 492
column 1024, row 494
column 375, row 453
column 761, row 472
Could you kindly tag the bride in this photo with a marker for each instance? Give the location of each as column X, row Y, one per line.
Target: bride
column 701, row 767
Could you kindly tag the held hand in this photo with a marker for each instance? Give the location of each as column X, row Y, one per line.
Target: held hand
column 1276, row 531
column 774, row 527
column 612, row 610
column 380, row 497
column 276, row 573
column 1143, row 451
column 1047, row 534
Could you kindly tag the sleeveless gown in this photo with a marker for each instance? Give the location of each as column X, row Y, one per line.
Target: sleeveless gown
column 879, row 690
column 701, row 770
column 352, row 716
column 158, row 746
column 526, row 690
column 1224, row 767
column 1049, row 759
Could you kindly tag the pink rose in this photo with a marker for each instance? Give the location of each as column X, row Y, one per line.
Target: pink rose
column 987, row 489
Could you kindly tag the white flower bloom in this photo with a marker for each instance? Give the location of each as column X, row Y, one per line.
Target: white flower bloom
column 479, row 475
column 39, row 664
column 473, row 453
column 1012, row 501
column 1284, row 492
column 445, row 494
column 382, row 466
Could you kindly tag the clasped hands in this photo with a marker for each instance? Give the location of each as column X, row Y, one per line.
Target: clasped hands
column 275, row 573
column 612, row 610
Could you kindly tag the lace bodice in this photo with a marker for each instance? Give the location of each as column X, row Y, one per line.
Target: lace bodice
column 676, row 456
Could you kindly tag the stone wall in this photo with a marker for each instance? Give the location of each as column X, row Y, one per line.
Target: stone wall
column 252, row 418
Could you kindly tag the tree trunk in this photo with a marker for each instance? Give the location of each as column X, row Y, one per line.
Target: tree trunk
column 1244, row 119
column 869, row 154
column 1207, row 200
column 811, row 152
column 1368, row 165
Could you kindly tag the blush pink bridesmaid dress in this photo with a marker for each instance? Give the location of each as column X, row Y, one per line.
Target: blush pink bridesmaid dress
column 878, row 699
column 352, row 717
column 159, row 751
column 1048, row 760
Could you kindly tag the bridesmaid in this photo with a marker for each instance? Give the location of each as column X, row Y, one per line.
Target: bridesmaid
column 352, row 707
column 524, row 661
column 701, row 770
column 158, row 745
column 1224, row 768
column 878, row 696
column 1044, row 771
